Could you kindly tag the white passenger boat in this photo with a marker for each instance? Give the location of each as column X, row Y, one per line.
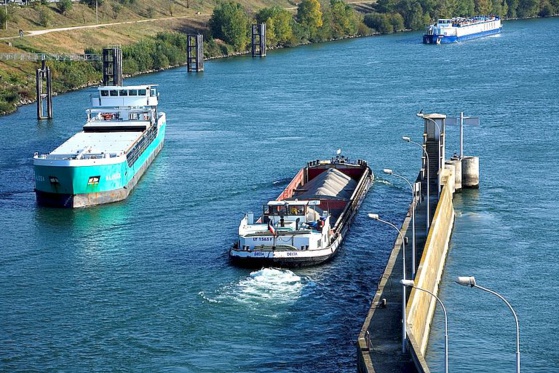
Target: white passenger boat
column 456, row 29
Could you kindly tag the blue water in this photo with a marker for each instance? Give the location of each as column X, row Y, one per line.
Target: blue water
column 145, row 284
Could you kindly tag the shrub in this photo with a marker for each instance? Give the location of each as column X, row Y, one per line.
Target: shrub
column 64, row 6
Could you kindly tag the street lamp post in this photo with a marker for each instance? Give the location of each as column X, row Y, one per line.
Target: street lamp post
column 404, row 332
column 471, row 282
column 413, row 252
column 411, row 284
column 408, row 139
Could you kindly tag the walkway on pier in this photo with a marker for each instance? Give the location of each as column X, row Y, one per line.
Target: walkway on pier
column 384, row 332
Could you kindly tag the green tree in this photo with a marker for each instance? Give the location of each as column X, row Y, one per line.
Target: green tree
column 482, row 6
column 116, row 7
column 8, row 14
column 309, row 16
column 465, row 8
column 412, row 12
column 499, row 7
column 230, row 23
column 379, row 22
column 344, row 19
column 44, row 16
column 92, row 3
column 279, row 25
column 546, row 9
column 385, row 6
column 397, row 22
column 528, row 8
column 512, row 7
column 64, row 6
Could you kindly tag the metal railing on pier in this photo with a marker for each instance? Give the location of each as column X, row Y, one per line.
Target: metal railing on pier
column 49, row 56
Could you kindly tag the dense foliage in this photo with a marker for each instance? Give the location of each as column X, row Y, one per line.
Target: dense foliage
column 229, row 32
column 230, row 23
column 418, row 13
column 165, row 50
column 313, row 22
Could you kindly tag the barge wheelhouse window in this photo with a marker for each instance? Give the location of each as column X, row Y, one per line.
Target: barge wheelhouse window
column 141, row 92
column 104, row 93
column 133, row 92
column 276, row 210
column 297, row 210
column 123, row 92
column 113, row 92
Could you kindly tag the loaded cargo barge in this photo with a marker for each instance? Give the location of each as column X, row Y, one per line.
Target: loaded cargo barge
column 307, row 223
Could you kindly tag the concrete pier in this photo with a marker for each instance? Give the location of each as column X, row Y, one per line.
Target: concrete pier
column 385, row 344
column 380, row 340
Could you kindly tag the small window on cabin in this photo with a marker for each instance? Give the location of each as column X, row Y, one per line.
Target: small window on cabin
column 133, row 92
column 113, row 92
column 153, row 92
column 296, row 210
column 104, row 93
column 141, row 92
column 280, row 210
column 123, row 92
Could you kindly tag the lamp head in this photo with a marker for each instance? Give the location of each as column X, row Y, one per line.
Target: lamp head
column 408, row 283
column 406, row 138
column 374, row 216
column 466, row 281
column 387, row 171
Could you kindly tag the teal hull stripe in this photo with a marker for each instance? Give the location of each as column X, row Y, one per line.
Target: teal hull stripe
column 76, row 180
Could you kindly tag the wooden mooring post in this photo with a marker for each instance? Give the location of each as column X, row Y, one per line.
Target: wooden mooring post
column 43, row 75
column 195, row 53
column 259, row 40
column 112, row 66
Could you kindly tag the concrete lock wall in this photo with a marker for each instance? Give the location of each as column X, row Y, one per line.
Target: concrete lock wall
column 373, row 342
column 421, row 305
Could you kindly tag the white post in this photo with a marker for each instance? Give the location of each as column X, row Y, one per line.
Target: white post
column 461, row 134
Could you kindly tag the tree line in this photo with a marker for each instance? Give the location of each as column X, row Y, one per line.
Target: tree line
column 229, row 32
